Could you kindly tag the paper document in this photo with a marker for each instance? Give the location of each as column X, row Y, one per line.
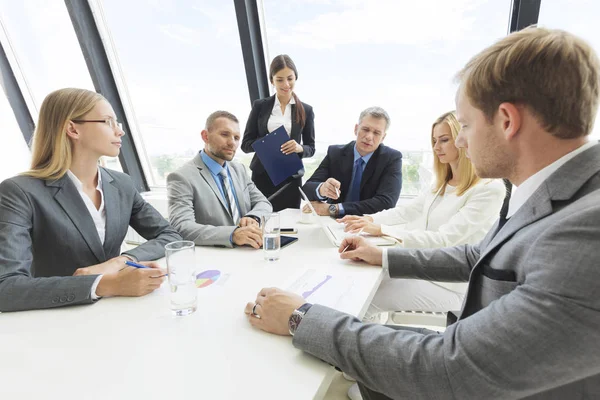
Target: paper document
column 319, row 288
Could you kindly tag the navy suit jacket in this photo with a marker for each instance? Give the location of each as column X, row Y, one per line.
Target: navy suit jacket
column 256, row 128
column 381, row 181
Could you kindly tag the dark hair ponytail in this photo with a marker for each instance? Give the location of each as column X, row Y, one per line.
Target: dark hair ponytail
column 284, row 61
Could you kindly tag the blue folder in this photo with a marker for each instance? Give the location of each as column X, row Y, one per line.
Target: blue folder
column 279, row 166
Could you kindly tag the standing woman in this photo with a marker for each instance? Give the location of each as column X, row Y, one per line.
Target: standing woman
column 283, row 108
column 63, row 221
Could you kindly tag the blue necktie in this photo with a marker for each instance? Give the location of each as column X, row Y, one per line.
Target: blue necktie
column 358, row 172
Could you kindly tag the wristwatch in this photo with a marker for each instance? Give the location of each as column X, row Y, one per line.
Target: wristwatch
column 297, row 316
column 333, row 210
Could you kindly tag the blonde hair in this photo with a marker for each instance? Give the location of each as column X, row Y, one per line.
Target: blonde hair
column 443, row 172
column 552, row 72
column 52, row 151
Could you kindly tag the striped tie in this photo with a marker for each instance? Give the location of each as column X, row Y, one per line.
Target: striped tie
column 235, row 214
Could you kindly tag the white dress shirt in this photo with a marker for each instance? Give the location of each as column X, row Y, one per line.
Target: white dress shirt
column 523, row 192
column 98, row 215
column 277, row 118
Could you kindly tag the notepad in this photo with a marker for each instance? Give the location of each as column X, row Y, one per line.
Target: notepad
column 279, row 166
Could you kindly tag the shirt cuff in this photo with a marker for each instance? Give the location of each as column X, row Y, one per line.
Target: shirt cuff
column 384, row 262
column 131, row 258
column 318, row 194
column 341, row 211
column 94, row 286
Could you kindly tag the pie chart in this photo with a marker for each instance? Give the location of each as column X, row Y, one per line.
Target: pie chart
column 207, row 278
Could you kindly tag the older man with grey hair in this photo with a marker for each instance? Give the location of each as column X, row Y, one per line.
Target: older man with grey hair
column 361, row 177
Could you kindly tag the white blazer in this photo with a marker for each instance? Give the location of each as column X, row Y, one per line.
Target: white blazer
column 432, row 220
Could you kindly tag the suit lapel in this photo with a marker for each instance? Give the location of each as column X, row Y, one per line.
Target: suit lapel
column 112, row 207
column 71, row 202
column 560, row 186
column 347, row 163
column 265, row 113
column 207, row 176
column 239, row 191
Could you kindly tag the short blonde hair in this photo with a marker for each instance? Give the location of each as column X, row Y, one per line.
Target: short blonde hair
column 553, row 73
column 467, row 178
column 52, row 151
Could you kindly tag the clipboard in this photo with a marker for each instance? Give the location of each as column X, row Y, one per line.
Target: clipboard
column 279, row 166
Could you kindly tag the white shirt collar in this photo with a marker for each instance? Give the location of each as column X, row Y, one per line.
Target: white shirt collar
column 278, row 103
column 78, row 183
column 523, row 192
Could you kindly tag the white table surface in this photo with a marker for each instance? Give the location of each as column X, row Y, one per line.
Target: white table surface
column 133, row 348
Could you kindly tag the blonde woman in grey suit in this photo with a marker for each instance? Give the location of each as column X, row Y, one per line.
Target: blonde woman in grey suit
column 63, row 221
column 460, row 208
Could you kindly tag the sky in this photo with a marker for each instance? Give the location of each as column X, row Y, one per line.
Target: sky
column 182, row 59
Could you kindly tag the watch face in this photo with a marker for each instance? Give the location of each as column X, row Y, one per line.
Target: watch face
column 294, row 322
column 332, row 209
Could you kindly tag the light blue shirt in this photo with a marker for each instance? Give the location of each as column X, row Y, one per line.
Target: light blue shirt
column 357, row 155
column 215, row 169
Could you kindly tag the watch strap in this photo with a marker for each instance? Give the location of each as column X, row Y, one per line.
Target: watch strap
column 296, row 317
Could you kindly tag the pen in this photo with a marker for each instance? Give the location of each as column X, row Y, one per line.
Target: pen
column 337, row 192
column 357, row 234
column 136, row 265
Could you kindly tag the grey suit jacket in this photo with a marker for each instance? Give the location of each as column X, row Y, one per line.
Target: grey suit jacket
column 46, row 233
column 197, row 208
column 530, row 326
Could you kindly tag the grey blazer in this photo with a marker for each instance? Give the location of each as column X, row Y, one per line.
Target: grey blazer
column 197, row 208
column 530, row 326
column 46, row 233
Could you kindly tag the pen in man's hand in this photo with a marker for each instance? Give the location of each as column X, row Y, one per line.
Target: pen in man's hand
column 136, row 265
column 357, row 234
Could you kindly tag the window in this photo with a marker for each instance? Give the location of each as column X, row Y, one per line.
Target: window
column 14, row 153
column 578, row 17
column 402, row 56
column 46, row 50
column 182, row 61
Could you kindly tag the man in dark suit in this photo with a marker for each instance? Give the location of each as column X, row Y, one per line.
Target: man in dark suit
column 361, row 177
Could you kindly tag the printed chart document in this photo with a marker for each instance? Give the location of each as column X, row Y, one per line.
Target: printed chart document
column 321, row 288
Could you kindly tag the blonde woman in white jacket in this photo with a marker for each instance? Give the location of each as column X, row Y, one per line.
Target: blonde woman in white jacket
column 460, row 208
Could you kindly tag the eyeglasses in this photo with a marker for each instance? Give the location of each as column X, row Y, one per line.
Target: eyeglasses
column 110, row 121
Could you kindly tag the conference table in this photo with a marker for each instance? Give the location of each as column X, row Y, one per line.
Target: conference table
column 134, row 348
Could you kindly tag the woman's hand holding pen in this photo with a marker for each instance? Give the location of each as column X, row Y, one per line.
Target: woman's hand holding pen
column 291, row 146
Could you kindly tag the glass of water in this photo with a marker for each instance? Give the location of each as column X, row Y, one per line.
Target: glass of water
column 181, row 264
column 271, row 236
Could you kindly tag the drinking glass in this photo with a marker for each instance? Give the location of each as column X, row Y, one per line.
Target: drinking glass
column 181, row 264
column 271, row 236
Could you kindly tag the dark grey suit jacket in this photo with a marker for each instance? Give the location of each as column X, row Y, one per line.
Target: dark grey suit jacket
column 46, row 233
column 380, row 185
column 530, row 326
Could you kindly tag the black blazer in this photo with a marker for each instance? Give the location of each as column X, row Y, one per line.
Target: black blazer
column 256, row 128
column 381, row 181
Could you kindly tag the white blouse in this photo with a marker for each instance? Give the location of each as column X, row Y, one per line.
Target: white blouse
column 277, row 118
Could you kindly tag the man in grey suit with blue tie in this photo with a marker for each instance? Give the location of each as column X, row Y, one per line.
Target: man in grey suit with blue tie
column 530, row 323
column 212, row 200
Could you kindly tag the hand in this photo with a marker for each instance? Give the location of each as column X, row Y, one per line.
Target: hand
column 247, row 221
column 291, row 146
column 274, row 308
column 131, row 281
column 328, row 189
column 355, row 224
column 250, row 235
column 358, row 249
column 111, row 266
column 320, row 208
